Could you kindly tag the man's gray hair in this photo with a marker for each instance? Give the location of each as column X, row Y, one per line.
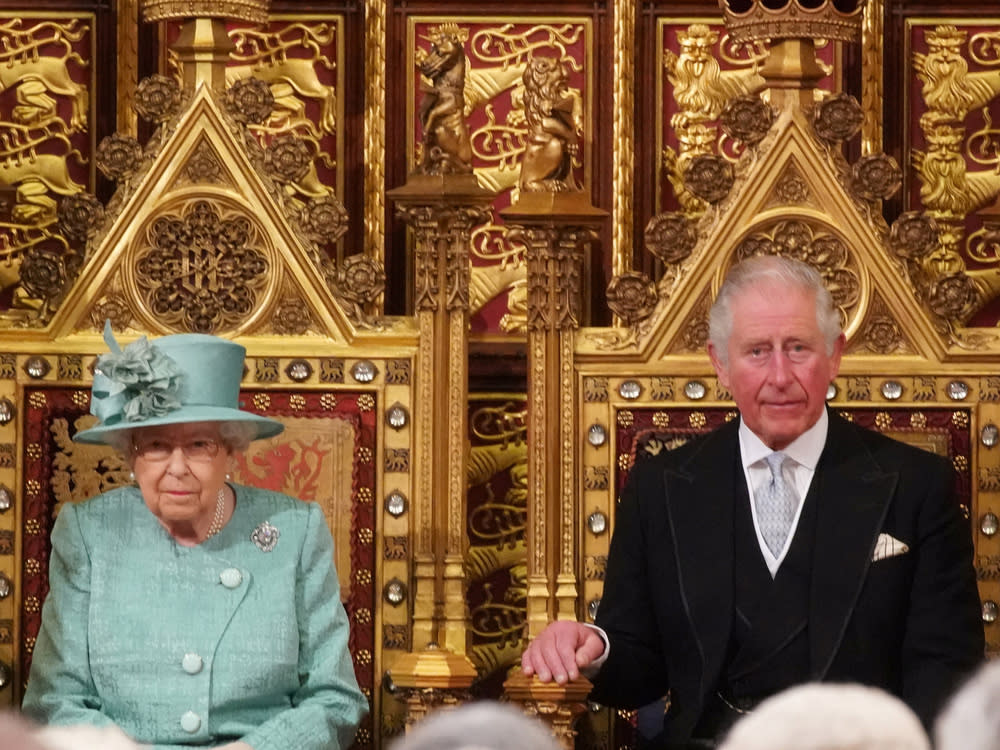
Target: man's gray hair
column 485, row 725
column 970, row 720
column 829, row 716
column 761, row 270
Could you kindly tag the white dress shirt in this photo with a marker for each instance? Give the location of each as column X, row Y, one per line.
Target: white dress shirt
column 804, row 453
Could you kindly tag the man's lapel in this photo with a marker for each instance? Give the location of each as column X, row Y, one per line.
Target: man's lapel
column 700, row 511
column 854, row 495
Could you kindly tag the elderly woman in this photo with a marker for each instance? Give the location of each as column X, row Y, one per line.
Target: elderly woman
column 189, row 610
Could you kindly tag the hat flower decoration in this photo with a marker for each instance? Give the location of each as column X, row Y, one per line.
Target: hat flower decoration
column 134, row 383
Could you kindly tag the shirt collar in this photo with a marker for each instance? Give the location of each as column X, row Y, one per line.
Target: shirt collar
column 805, row 450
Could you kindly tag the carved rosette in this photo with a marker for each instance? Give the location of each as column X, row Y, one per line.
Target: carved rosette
column 838, row 117
column 791, row 188
column 112, row 308
column 671, row 237
column 249, row 100
column 200, row 271
column 287, row 158
column 118, row 156
column 291, row 318
column 632, row 296
column 952, row 296
column 203, row 166
column 80, row 216
column 882, row 335
column 709, row 177
column 914, row 235
column 324, row 221
column 748, row 119
column 157, row 98
column 876, row 177
column 360, row 280
column 43, row 273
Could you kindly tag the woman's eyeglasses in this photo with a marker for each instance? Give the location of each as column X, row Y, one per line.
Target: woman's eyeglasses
column 156, row 449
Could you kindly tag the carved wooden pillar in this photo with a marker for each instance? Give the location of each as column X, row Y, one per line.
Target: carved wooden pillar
column 555, row 227
column 442, row 211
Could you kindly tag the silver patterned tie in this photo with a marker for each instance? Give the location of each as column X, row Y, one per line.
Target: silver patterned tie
column 777, row 502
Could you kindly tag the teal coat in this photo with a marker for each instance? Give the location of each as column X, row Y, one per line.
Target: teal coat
column 202, row 645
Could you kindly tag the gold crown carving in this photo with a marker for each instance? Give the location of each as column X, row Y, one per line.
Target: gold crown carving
column 253, row 11
column 752, row 20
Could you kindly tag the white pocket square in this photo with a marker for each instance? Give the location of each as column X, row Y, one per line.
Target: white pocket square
column 888, row 546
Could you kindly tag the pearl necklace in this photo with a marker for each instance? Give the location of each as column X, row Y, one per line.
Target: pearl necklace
column 220, row 509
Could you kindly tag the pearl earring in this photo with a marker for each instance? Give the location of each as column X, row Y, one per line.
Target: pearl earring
column 131, row 476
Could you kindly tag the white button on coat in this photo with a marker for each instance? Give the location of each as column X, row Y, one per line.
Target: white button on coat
column 192, row 663
column 231, row 578
column 190, row 722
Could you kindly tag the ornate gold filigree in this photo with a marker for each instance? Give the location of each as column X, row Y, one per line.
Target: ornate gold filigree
column 35, row 75
column 112, row 308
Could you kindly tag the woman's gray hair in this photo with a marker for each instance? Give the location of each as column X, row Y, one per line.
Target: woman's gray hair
column 829, row 716
column 970, row 720
column 485, row 725
column 762, row 270
column 236, row 436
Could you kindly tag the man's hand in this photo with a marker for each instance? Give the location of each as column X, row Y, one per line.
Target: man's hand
column 558, row 652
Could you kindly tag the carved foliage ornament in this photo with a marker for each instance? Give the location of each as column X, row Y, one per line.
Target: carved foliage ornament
column 632, row 296
column 249, row 100
column 746, row 118
column 671, row 237
column 157, row 98
column 838, row 117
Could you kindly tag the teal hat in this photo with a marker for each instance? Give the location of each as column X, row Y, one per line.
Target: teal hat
column 188, row 377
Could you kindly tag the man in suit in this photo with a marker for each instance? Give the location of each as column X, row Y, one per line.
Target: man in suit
column 729, row 581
